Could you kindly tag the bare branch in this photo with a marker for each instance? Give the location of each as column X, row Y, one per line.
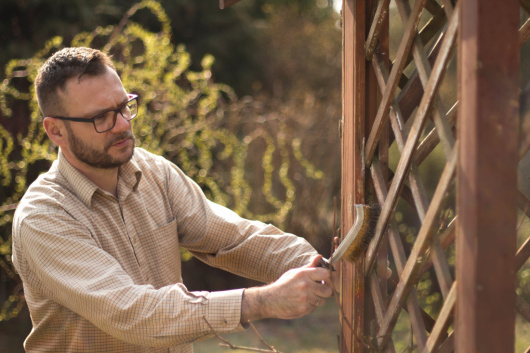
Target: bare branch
column 261, row 338
column 231, row 346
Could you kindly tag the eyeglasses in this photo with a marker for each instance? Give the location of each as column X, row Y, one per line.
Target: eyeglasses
column 107, row 120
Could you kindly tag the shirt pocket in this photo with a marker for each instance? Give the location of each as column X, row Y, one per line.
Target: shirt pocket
column 163, row 252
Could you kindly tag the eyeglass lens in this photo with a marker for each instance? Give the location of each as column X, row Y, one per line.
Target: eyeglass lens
column 106, row 121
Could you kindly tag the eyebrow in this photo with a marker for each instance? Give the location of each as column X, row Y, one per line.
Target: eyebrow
column 108, row 109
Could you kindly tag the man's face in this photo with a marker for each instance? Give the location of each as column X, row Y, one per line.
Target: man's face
column 86, row 98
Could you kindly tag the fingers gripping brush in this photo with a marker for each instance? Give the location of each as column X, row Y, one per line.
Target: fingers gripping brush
column 356, row 242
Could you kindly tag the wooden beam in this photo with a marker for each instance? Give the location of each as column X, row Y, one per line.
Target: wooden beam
column 487, row 180
column 353, row 100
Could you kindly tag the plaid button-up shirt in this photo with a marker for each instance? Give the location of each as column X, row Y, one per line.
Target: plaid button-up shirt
column 103, row 274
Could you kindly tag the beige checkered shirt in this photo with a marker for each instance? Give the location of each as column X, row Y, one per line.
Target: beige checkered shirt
column 103, row 274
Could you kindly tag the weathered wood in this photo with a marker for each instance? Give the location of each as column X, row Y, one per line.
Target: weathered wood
column 446, row 238
column 410, row 96
column 411, row 270
column 432, row 6
column 522, row 307
column 428, row 144
column 442, row 322
column 424, row 70
column 448, row 7
column 486, row 198
column 432, row 28
column 524, row 32
column 380, row 16
column 523, row 203
column 418, row 191
column 379, row 304
column 525, row 4
column 353, row 287
column 414, row 134
column 522, row 255
column 395, row 74
column 449, row 345
column 398, row 252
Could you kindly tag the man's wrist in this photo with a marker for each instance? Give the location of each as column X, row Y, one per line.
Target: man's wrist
column 252, row 305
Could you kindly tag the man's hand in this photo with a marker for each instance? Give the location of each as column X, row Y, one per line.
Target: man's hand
column 296, row 293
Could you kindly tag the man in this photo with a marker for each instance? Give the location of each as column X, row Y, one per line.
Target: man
column 96, row 239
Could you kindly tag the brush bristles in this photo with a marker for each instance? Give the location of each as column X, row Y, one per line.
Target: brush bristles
column 367, row 232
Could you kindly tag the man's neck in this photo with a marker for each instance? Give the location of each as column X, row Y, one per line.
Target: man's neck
column 105, row 179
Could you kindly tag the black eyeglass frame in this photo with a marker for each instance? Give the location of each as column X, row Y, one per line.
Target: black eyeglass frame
column 92, row 120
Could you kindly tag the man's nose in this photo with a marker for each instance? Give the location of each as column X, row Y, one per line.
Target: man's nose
column 122, row 123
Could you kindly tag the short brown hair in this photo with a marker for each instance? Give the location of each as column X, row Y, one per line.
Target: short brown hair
column 61, row 66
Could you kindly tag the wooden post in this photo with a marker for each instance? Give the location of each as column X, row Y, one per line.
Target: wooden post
column 486, row 181
column 353, row 125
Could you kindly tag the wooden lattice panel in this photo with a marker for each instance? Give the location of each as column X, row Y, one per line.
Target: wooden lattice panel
column 393, row 106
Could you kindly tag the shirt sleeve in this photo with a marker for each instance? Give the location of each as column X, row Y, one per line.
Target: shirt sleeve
column 220, row 238
column 67, row 265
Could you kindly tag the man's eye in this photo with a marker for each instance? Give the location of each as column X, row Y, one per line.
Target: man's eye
column 105, row 116
column 99, row 117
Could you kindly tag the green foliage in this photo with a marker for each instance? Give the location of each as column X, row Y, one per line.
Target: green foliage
column 197, row 123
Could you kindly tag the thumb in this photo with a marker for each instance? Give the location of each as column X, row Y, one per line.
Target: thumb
column 315, row 262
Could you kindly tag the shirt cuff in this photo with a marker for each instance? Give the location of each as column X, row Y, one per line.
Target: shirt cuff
column 224, row 310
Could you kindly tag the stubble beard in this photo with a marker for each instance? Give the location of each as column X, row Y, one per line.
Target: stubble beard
column 97, row 158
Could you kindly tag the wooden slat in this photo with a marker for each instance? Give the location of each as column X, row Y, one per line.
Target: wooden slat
column 486, row 198
column 523, row 203
column 418, row 191
column 398, row 253
column 433, row 26
column 524, row 32
column 424, row 70
column 446, row 238
column 449, row 345
column 410, row 96
column 522, row 307
column 379, row 305
column 441, row 267
column 383, row 156
column 525, row 4
column 448, row 7
column 414, row 134
column 432, row 6
column 442, row 322
column 380, row 16
column 411, row 270
column 395, row 74
column 522, row 255
column 428, row 144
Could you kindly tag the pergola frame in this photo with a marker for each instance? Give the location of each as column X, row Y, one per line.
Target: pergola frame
column 479, row 138
column 484, row 160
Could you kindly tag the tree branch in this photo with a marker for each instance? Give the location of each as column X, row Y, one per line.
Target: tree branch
column 227, row 344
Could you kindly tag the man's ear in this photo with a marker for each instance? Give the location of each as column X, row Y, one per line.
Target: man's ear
column 56, row 131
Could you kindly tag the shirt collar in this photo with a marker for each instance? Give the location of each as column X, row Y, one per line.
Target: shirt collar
column 130, row 174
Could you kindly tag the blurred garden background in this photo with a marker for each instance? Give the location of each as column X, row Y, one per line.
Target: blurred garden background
column 246, row 100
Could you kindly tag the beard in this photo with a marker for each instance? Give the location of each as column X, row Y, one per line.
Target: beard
column 99, row 158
